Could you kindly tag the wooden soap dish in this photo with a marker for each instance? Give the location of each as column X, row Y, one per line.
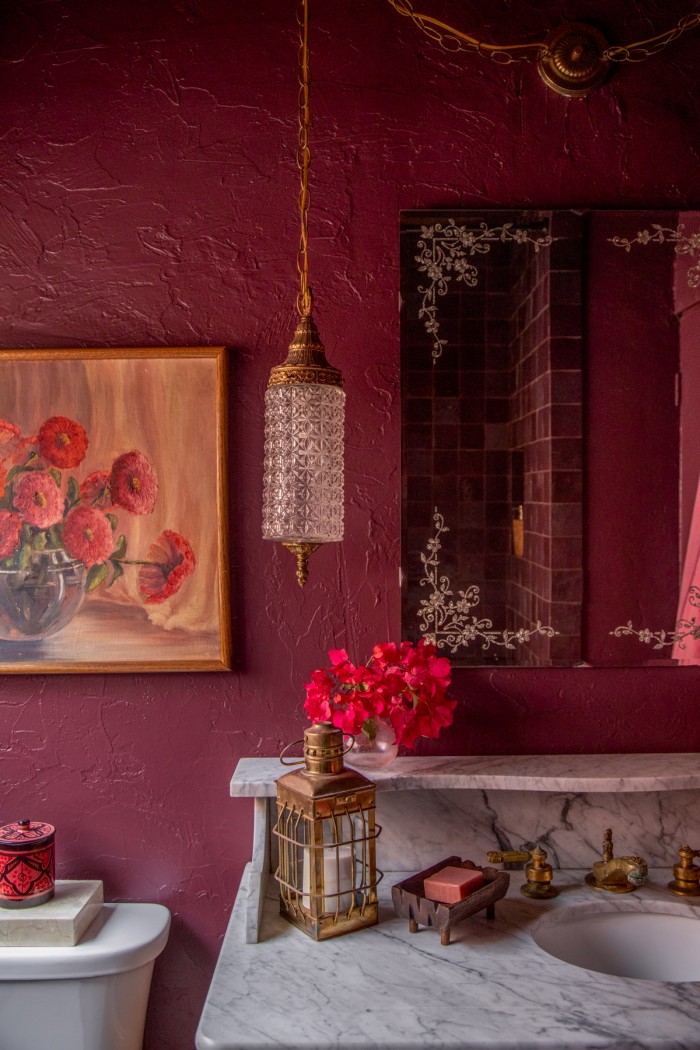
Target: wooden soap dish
column 410, row 903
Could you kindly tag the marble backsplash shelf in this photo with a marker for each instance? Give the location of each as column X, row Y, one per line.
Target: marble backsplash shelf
column 255, row 777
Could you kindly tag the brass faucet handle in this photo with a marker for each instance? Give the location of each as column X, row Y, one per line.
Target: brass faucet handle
column 539, row 866
column 687, row 856
column 686, row 875
column 508, row 856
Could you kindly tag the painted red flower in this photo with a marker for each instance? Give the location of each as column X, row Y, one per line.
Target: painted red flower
column 95, row 489
column 133, row 483
column 38, row 499
column 171, row 560
column 87, row 535
column 10, row 529
column 62, row 442
column 3, row 479
column 10, row 438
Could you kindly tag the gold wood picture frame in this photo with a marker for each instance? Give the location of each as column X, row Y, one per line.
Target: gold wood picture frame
column 113, row 510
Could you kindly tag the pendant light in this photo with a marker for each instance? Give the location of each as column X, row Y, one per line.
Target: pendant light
column 304, row 402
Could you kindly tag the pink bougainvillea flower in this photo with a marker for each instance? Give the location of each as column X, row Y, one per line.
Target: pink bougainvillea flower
column 38, row 499
column 133, row 483
column 62, row 442
column 171, row 560
column 87, row 535
column 95, row 489
column 10, row 529
column 403, row 683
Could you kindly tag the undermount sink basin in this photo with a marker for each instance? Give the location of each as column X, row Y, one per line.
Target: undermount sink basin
column 654, row 942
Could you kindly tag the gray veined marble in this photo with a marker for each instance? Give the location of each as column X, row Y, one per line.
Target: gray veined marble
column 493, row 987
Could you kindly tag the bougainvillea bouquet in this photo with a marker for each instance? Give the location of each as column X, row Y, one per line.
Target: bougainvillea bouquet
column 403, row 685
column 45, row 507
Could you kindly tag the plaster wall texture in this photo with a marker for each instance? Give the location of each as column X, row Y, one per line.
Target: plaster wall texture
column 147, row 197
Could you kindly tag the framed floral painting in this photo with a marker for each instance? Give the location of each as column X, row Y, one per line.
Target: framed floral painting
column 113, row 516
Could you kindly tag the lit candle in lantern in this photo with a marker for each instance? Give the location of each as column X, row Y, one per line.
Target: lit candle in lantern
column 337, row 879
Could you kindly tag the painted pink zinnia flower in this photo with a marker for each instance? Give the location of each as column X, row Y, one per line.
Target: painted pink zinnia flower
column 87, row 535
column 174, row 562
column 133, row 483
column 38, row 499
column 95, row 489
column 62, row 442
column 10, row 528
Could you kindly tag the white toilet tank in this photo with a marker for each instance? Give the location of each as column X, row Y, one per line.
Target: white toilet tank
column 89, row 997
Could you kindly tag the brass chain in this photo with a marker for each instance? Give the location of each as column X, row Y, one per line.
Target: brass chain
column 638, row 51
column 454, row 40
column 304, row 301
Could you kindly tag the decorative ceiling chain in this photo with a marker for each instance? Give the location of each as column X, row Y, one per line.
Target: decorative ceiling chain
column 574, row 59
column 449, row 623
column 684, row 244
column 452, row 39
column 444, row 251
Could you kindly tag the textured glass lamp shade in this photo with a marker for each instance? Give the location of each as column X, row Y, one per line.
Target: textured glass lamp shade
column 304, row 449
column 303, row 482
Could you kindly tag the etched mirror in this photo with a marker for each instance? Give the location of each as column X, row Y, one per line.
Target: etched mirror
column 550, row 458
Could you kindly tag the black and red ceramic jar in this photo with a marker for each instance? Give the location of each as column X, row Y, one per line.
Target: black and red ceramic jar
column 26, row 863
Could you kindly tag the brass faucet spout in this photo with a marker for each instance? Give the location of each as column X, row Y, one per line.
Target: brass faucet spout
column 616, row 874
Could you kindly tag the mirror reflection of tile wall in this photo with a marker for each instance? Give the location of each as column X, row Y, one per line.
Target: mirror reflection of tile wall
column 492, row 436
column 539, row 437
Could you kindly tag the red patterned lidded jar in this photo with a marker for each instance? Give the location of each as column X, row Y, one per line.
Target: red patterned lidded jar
column 26, row 863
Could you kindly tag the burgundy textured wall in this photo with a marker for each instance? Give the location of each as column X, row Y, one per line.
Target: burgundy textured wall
column 148, row 187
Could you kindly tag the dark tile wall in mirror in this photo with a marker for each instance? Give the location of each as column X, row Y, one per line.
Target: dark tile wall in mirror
column 508, row 328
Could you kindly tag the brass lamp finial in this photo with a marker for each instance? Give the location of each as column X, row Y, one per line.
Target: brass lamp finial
column 302, row 551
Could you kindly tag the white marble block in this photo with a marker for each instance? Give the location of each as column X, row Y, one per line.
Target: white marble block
column 60, row 922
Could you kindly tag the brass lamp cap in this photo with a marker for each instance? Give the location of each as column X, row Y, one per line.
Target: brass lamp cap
column 306, row 361
column 323, row 748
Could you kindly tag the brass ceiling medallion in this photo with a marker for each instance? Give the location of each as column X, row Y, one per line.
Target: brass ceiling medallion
column 574, row 62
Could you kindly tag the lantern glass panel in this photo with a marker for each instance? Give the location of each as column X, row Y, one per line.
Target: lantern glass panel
column 325, row 864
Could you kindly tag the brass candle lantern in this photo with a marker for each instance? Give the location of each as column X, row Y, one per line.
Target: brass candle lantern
column 326, row 834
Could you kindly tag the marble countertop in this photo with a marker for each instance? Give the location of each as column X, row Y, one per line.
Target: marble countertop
column 255, row 777
column 492, row 988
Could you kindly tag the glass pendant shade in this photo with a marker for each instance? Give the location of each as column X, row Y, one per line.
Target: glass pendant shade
column 303, row 488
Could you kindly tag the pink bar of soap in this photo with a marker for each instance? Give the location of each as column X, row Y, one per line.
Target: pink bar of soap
column 452, row 884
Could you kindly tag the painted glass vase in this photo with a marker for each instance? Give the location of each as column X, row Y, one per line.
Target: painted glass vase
column 375, row 746
column 39, row 600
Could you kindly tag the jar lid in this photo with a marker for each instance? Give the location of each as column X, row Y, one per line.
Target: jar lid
column 25, row 834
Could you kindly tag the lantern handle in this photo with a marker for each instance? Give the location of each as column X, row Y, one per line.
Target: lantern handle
column 295, row 762
column 300, row 761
